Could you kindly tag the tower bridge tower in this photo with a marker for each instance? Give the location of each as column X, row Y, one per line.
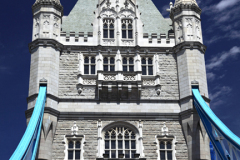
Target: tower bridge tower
column 190, row 52
column 119, row 78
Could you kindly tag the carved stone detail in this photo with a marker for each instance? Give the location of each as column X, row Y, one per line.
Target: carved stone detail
column 74, row 129
column 189, row 28
column 129, row 77
column 89, row 82
column 179, row 33
column 127, row 42
column 148, row 82
column 109, row 41
column 109, row 77
column 164, row 129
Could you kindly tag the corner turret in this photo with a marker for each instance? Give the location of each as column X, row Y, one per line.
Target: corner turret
column 47, row 17
column 190, row 51
column 45, row 52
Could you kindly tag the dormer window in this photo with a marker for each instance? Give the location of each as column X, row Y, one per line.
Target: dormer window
column 108, row 28
column 127, row 29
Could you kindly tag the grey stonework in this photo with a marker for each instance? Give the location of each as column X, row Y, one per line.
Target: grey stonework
column 153, row 128
column 60, row 45
column 88, row 128
column 68, row 71
column 168, row 76
column 168, row 80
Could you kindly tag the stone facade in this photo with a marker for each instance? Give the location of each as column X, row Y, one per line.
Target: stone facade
column 118, row 63
column 88, row 128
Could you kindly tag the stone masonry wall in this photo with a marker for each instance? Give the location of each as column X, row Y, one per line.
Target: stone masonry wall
column 168, row 80
column 68, row 70
column 167, row 71
column 68, row 79
column 89, row 128
column 153, row 128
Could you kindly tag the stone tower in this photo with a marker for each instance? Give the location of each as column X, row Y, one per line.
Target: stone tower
column 190, row 51
column 119, row 78
column 45, row 55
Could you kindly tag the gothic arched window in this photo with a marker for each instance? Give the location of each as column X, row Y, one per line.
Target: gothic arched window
column 127, row 28
column 120, row 142
column 108, row 28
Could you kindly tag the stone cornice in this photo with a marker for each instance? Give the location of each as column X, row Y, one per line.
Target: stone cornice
column 45, row 42
column 48, row 95
column 187, row 113
column 189, row 45
column 55, row 3
column 184, row 7
column 191, row 97
column 103, row 49
column 48, row 110
column 106, row 115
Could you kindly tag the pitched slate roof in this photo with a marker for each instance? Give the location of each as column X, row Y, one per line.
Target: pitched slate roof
column 81, row 17
column 152, row 19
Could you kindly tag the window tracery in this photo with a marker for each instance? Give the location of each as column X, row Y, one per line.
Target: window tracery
column 108, row 28
column 120, row 141
column 127, row 28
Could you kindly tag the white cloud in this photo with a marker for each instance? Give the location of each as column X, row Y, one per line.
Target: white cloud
column 164, row 11
column 211, row 76
column 224, row 4
column 219, row 96
column 218, row 60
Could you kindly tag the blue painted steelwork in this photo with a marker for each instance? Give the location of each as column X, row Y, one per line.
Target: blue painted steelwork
column 27, row 148
column 217, row 131
column 213, row 155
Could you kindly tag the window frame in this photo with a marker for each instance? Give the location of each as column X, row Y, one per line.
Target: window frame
column 116, row 139
column 109, row 64
column 108, row 22
column 127, row 22
column 74, row 139
column 90, row 65
column 165, row 139
column 147, row 65
column 128, row 65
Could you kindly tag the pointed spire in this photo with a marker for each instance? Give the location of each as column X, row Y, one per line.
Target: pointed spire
column 56, row 3
column 178, row 2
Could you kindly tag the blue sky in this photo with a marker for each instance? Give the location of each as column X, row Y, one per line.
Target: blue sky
column 221, row 33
